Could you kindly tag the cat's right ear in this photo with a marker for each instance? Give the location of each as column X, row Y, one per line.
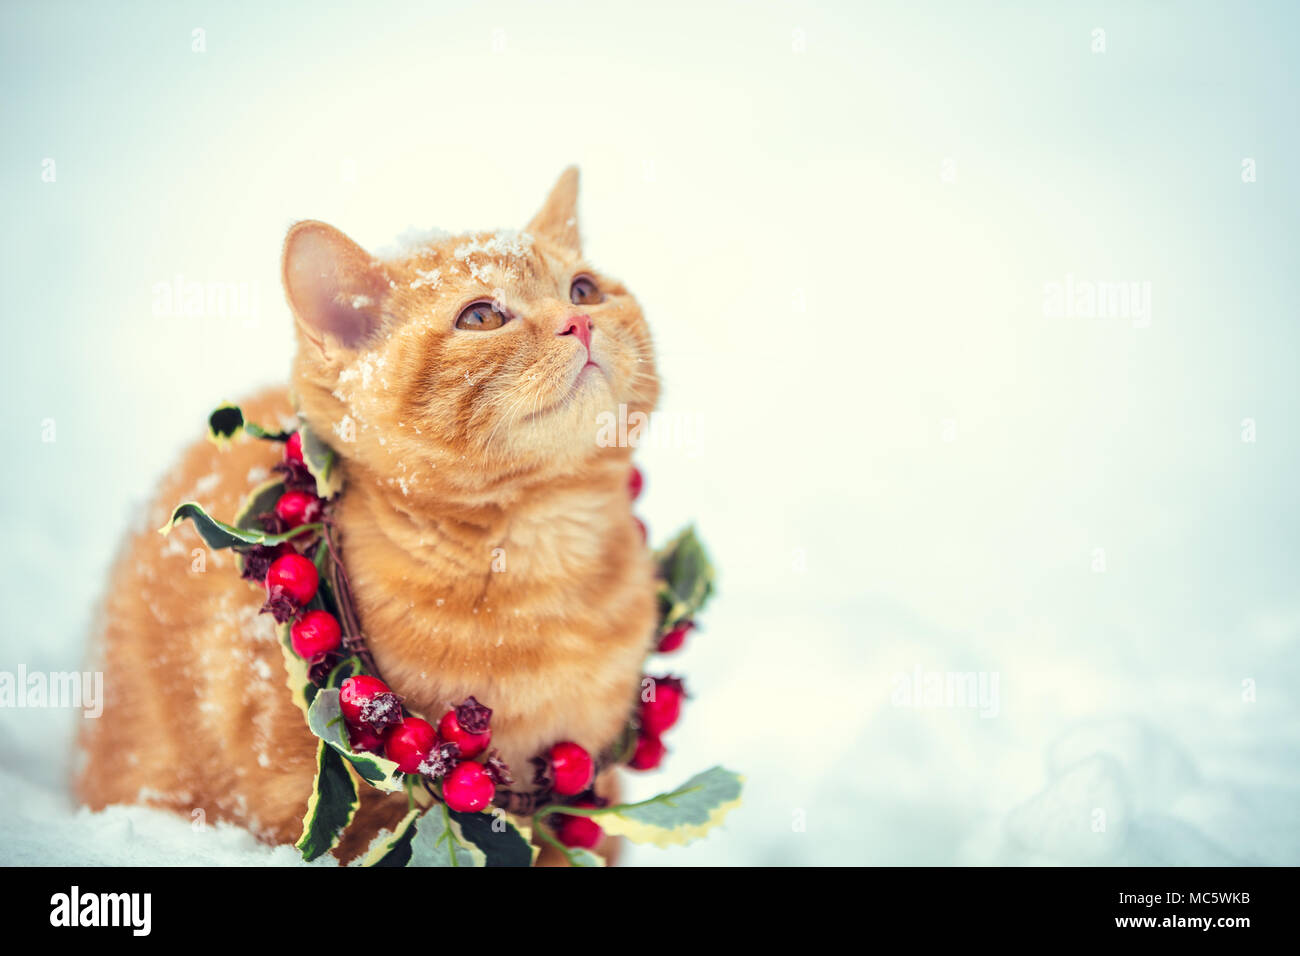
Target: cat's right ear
column 335, row 288
column 558, row 217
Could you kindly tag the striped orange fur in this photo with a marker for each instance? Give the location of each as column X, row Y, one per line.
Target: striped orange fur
column 485, row 524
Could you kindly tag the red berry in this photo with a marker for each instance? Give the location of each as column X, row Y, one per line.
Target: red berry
column 649, row 753
column 295, row 575
column 676, row 637
column 363, row 740
column 297, row 508
column 635, row 483
column 645, row 535
column 409, row 743
column 468, row 788
column 572, row 768
column 293, row 447
column 369, row 703
column 316, row 632
column 471, row 745
column 579, row 831
column 662, row 711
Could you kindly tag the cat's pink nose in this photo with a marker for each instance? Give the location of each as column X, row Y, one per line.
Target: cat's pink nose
column 579, row 325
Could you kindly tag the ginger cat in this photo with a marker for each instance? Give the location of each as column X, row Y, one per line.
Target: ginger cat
column 460, row 383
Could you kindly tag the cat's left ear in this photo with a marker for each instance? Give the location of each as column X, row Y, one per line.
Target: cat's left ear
column 558, row 218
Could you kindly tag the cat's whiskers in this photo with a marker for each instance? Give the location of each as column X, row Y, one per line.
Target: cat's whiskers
column 507, row 415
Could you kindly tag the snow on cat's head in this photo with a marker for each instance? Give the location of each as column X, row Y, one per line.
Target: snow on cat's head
column 458, row 364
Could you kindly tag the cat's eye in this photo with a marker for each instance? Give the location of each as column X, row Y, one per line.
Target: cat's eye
column 583, row 291
column 481, row 317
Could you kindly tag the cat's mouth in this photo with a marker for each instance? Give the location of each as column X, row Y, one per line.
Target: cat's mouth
column 581, row 381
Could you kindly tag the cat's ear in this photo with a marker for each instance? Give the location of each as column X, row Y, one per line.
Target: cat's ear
column 335, row 288
column 558, row 218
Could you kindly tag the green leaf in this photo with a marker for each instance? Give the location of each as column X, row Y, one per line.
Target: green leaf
column 331, row 806
column 439, row 841
column 624, row 745
column 325, row 718
column 227, row 421
column 685, row 579
column 295, row 670
column 677, row 817
column 393, row 849
column 218, row 534
column 577, row 856
column 322, row 462
column 501, row 839
column 259, row 501
column 325, row 598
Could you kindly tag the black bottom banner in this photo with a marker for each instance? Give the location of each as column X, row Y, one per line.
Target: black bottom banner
column 972, row 905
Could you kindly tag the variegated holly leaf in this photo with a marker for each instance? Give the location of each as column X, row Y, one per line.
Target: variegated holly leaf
column 259, row 501
column 218, row 534
column 624, row 745
column 685, row 579
column 296, row 670
column 577, row 856
column 325, row 718
column 325, row 599
column 503, row 840
column 439, row 841
column 323, row 463
column 227, row 421
column 676, row 817
column 393, row 849
column 331, row 806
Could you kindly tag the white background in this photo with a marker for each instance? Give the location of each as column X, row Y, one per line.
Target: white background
column 768, row 178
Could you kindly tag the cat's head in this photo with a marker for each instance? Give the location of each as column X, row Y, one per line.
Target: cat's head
column 466, row 362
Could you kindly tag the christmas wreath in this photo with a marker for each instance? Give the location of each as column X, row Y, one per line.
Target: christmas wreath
column 461, row 810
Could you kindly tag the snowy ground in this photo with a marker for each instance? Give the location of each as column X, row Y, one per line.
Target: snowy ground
column 843, row 222
column 838, row 773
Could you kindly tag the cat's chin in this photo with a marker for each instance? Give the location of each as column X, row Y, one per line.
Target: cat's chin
column 571, row 424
